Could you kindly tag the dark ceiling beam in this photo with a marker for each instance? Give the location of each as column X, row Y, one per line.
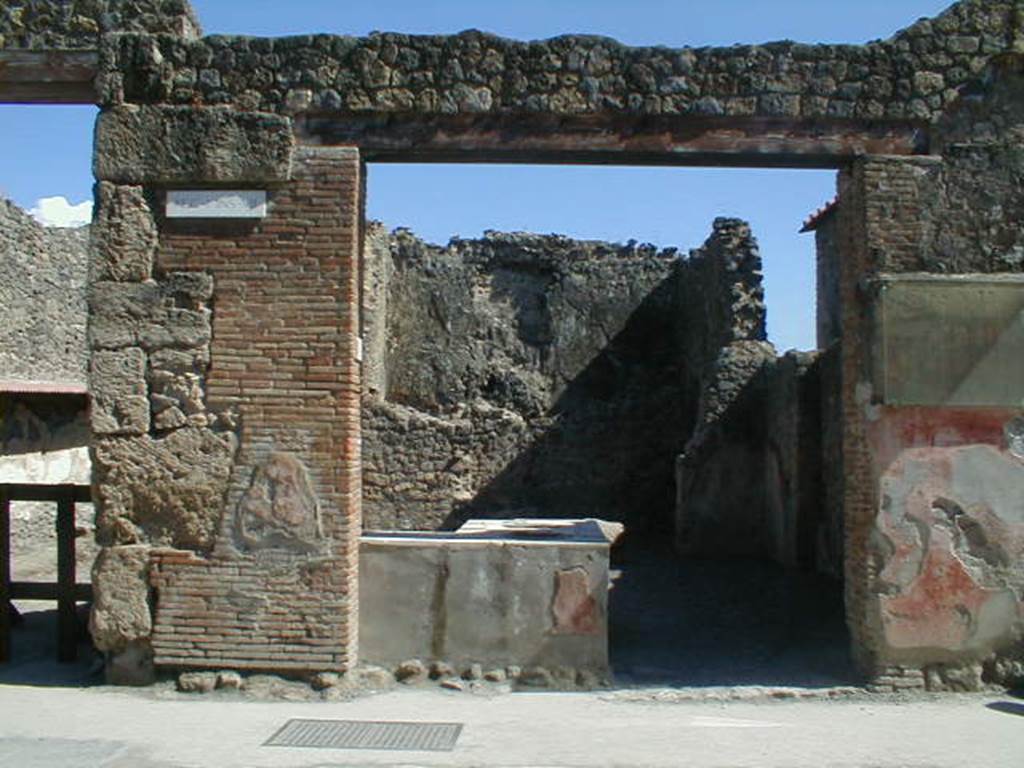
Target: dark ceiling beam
column 612, row 139
column 48, row 77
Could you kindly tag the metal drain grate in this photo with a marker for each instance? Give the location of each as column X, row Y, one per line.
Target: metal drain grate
column 366, row 734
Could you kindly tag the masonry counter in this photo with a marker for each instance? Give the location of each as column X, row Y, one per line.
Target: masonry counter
column 499, row 593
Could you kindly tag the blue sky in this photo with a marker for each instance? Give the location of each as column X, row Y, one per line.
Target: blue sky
column 666, row 206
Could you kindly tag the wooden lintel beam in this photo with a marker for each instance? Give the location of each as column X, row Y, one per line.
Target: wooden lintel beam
column 47, row 591
column 67, row 617
column 48, row 77
column 613, row 139
column 30, row 492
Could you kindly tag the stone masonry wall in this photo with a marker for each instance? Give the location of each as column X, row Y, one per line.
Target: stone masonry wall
column 79, row 24
column 957, row 77
column 737, row 489
column 519, row 375
column 933, row 600
column 757, row 477
column 225, row 412
column 912, row 76
column 44, row 437
column 43, row 296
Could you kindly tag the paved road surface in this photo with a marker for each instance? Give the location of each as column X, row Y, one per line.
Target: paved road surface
column 45, row 727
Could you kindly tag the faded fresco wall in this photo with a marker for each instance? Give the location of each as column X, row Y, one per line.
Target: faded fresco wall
column 44, row 440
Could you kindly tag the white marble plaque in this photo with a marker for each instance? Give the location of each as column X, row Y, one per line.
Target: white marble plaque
column 216, row 204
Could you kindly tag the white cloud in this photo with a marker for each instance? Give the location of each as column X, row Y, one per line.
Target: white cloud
column 58, row 212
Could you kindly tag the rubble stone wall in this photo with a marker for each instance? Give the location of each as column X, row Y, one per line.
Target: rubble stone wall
column 913, row 75
column 79, row 24
column 44, row 437
column 519, row 375
column 43, row 296
column 747, row 481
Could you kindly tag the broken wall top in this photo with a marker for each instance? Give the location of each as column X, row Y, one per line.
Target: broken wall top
column 39, row 25
column 911, row 76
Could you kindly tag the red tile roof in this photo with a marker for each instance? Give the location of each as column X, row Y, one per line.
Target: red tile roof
column 815, row 218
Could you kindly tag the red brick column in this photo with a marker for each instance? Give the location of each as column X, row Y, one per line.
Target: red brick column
column 279, row 590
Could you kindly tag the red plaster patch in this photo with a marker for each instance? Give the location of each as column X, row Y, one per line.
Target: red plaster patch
column 905, row 427
column 574, row 609
column 940, row 607
column 941, row 602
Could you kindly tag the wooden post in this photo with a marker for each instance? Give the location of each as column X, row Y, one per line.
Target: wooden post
column 5, row 576
column 67, row 622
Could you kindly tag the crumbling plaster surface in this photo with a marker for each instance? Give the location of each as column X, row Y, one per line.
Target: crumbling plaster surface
column 486, row 600
column 930, row 489
column 44, row 440
column 949, row 545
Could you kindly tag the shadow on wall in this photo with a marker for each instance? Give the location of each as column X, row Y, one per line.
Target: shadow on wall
column 611, row 436
column 33, row 423
column 698, row 622
column 537, row 376
column 520, row 376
